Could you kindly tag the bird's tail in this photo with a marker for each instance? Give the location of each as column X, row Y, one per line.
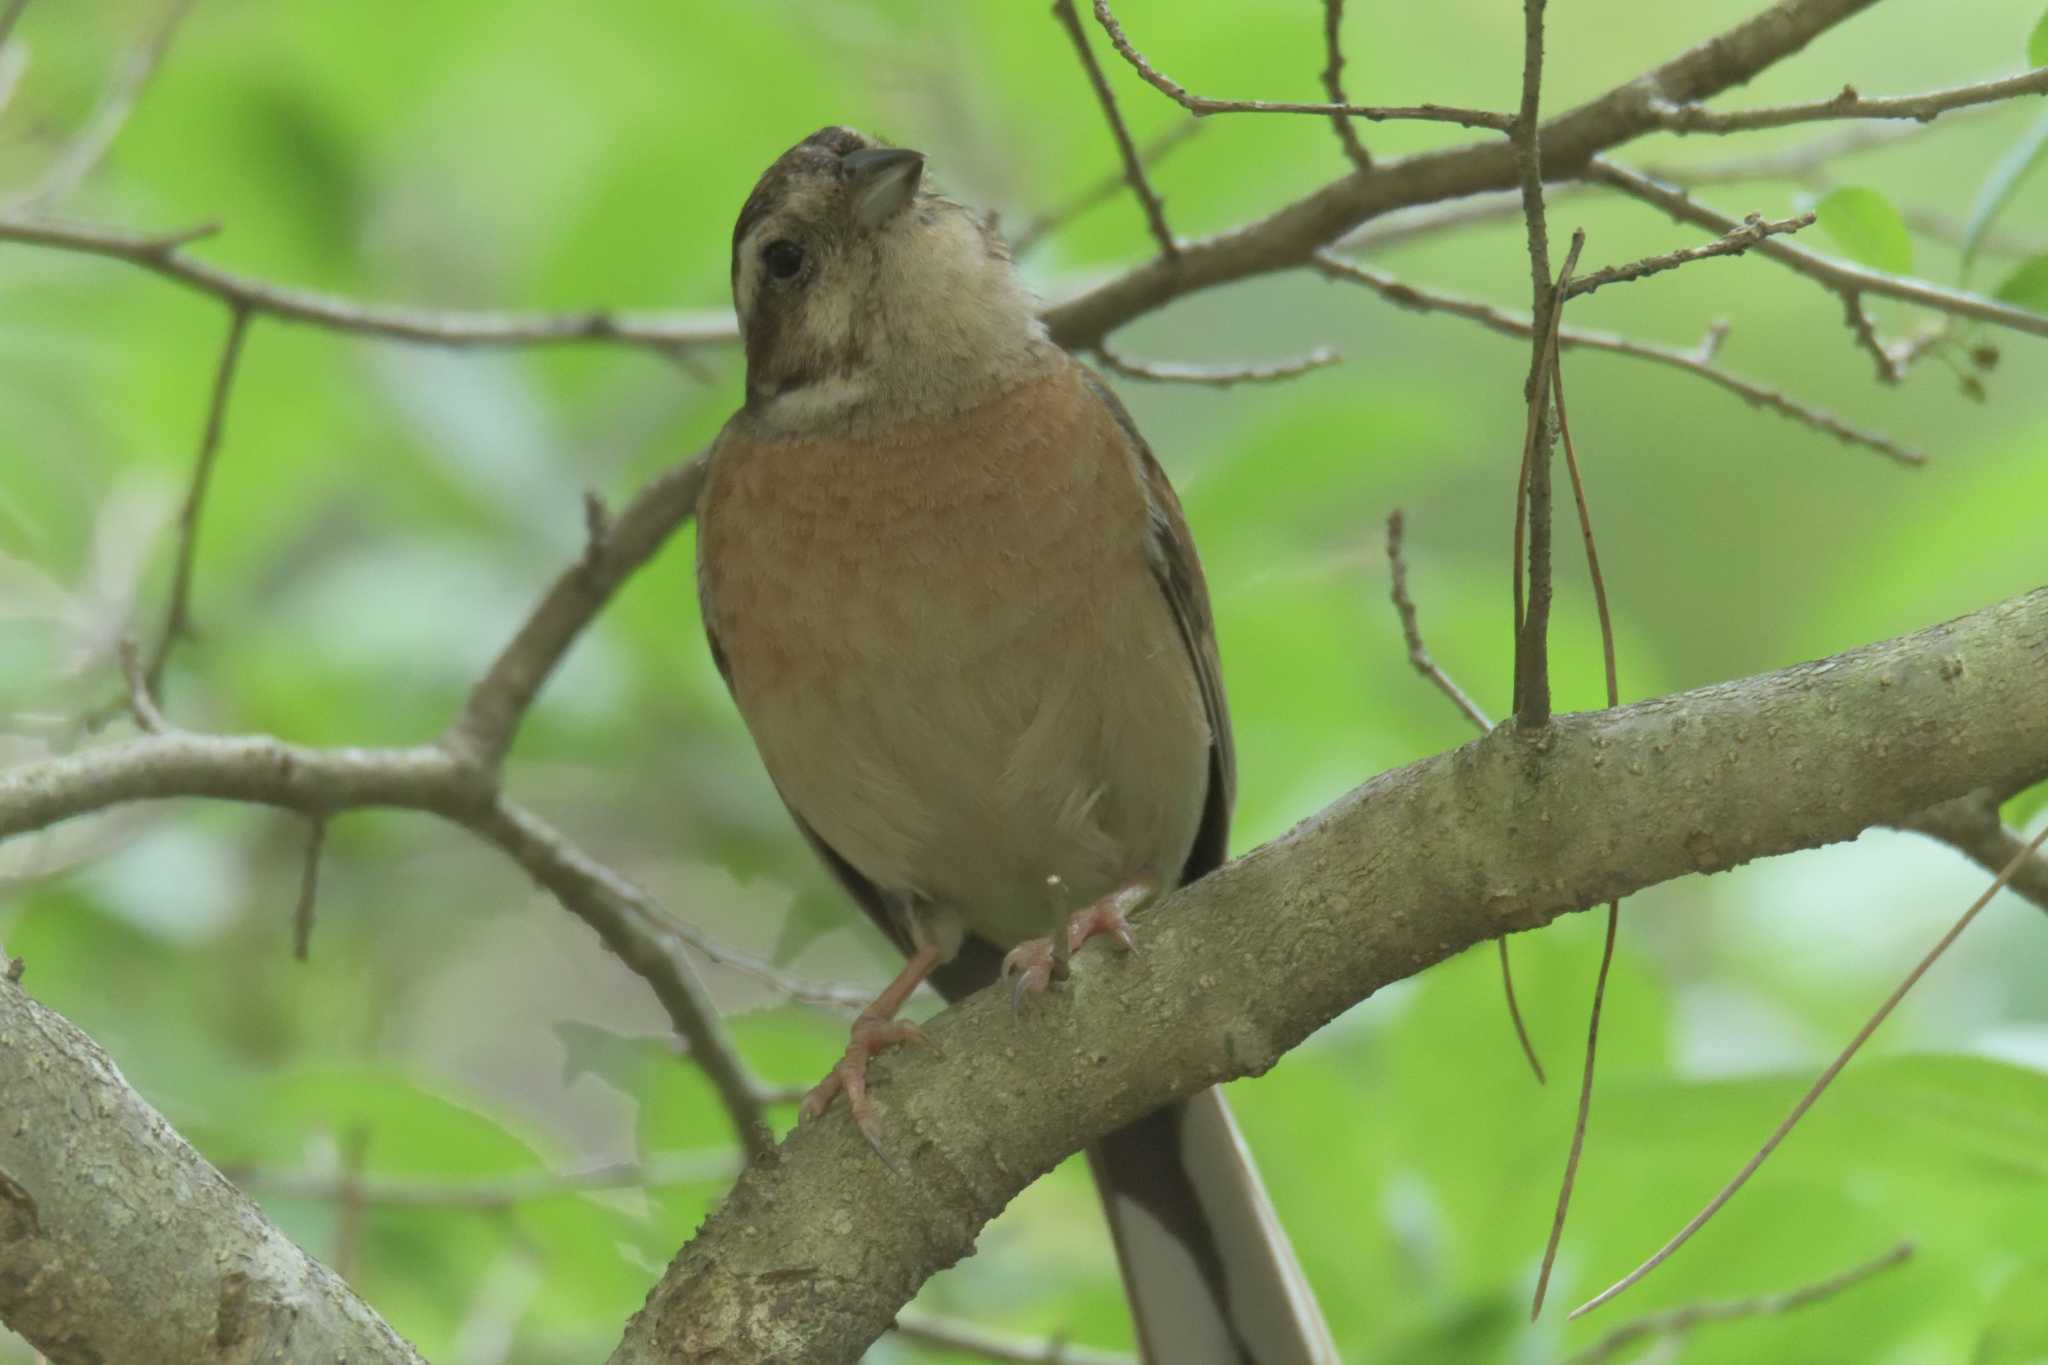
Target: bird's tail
column 1209, row 1273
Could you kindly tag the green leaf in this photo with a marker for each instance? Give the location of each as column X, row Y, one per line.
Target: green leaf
column 2006, row 176
column 1868, row 229
column 2037, row 43
column 2027, row 286
column 2020, row 810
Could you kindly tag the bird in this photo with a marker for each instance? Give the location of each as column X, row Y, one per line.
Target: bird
column 959, row 609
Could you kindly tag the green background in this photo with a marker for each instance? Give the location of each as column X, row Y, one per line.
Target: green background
column 383, row 515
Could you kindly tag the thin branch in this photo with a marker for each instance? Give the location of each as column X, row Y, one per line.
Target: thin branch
column 490, row 716
column 496, row 1192
column 1691, row 118
column 430, row 778
column 161, row 254
column 1411, row 630
column 309, row 887
column 1971, row 825
column 82, row 153
column 1151, row 154
column 1290, row 236
column 1532, row 492
column 141, row 705
column 1797, row 162
column 968, row 1339
column 1806, row 1101
column 1698, row 361
column 1674, row 1321
column 1861, row 325
column 1418, row 654
column 178, row 611
column 1752, row 230
column 1583, row 1115
column 1532, row 497
column 1134, row 164
column 1202, row 106
column 1840, row 276
column 1216, row 376
column 1333, row 83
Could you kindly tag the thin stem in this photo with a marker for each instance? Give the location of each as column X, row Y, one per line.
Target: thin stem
column 1813, row 1093
column 1134, row 164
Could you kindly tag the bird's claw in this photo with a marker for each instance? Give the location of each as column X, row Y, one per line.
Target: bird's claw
column 1030, row 964
column 849, row 1075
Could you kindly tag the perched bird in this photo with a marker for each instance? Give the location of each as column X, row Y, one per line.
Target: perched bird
column 959, row 609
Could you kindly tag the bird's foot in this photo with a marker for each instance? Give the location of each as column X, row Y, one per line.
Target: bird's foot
column 849, row 1075
column 1032, row 964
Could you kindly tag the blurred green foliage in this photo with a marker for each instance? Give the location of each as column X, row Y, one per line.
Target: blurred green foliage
column 383, row 515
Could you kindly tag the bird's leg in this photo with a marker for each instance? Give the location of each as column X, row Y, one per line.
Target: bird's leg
column 1032, row 962
column 875, row 1030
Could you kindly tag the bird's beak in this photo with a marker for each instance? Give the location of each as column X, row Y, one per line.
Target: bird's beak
column 884, row 180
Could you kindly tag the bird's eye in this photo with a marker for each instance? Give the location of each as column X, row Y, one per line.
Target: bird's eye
column 783, row 258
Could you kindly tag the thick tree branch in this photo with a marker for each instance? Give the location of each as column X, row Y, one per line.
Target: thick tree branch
column 118, row 1242
column 813, row 1253
column 1288, row 237
column 1284, row 239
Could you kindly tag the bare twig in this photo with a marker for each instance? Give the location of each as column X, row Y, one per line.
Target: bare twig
column 82, row 152
column 1418, row 654
column 1840, row 276
column 1151, row 154
column 2019, row 861
column 1216, row 376
column 1753, row 229
column 1864, row 329
column 1532, row 492
column 141, row 705
column 161, row 254
column 178, row 611
column 1134, row 164
column 491, row 714
column 1673, row 1321
column 1582, row 1116
column 318, row 781
column 1698, row 361
column 968, row 1339
column 1333, row 83
column 1411, row 630
column 309, row 887
column 1691, row 118
column 1798, row 162
column 1532, row 500
column 1202, row 106
column 496, row 1192
column 1970, row 825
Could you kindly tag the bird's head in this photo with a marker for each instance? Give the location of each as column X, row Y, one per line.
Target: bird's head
column 862, row 293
